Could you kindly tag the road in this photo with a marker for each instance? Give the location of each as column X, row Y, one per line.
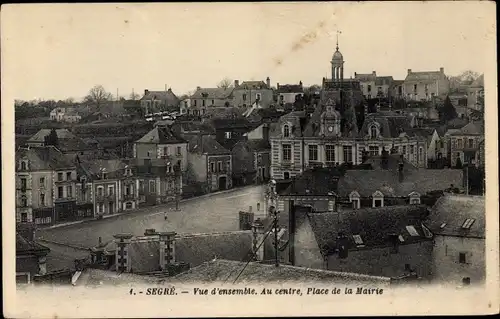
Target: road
column 218, row 212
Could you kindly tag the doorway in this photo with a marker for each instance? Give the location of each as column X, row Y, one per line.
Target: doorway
column 222, row 183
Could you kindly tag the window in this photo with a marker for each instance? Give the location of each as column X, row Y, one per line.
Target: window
column 401, row 238
column 194, row 102
column 244, row 97
column 257, row 96
column 24, row 184
column 347, row 153
column 373, row 131
column 471, row 143
column 128, row 205
column 42, row 181
column 104, row 175
column 68, row 176
column 415, row 88
column 202, row 102
column 373, row 150
column 100, row 191
column 169, row 169
column 152, row 186
column 111, row 190
column 100, row 208
column 60, row 192
column 377, row 203
column 42, row 199
column 23, row 165
column 358, row 240
column 127, row 190
column 59, row 176
column 286, row 131
column 420, row 154
column 286, row 175
column 412, row 231
column 179, row 151
column 212, row 167
column 459, row 143
column 462, row 258
column 412, row 149
column 24, row 201
column 69, row 191
column 313, row 152
column 219, row 166
column 369, row 88
column 227, row 135
column 228, row 166
column 282, row 97
column 24, row 217
column 287, row 152
column 468, row 223
column 213, row 102
column 355, row 203
column 415, row 201
column 165, row 150
column 330, row 153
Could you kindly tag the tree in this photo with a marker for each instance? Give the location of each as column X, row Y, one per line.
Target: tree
column 225, row 83
column 134, row 96
column 447, row 112
column 98, row 95
column 464, row 78
column 52, row 138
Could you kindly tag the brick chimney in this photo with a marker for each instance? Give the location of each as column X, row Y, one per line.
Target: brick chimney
column 198, row 88
column 146, row 91
column 441, row 70
column 277, row 86
column 374, row 73
column 236, row 83
column 123, row 263
column 167, row 249
column 409, row 71
column 268, row 82
column 258, row 236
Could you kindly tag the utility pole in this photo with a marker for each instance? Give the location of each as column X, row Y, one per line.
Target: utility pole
column 276, row 238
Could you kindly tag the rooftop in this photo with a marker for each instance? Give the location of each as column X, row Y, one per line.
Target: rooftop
column 219, row 270
column 213, row 93
column 44, row 158
column 206, row 144
column 253, row 85
column 450, row 213
column 161, row 135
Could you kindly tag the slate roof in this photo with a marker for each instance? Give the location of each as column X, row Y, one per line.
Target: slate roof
column 25, row 246
column 220, row 270
column 62, row 133
column 219, row 123
column 424, row 76
column 456, row 123
column 113, row 168
column 391, row 125
column 374, row 225
column 473, row 128
column 161, row 135
column 290, row 88
column 316, row 181
column 259, row 145
column 167, row 96
column 209, row 145
column 253, row 85
column 451, row 211
column 422, row 181
column 383, row 80
column 44, row 158
column 213, row 93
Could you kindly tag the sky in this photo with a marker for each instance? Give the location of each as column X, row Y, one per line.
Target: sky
column 57, row 51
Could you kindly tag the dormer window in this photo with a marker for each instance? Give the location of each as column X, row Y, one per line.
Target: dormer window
column 104, row 175
column 24, row 165
column 378, row 199
column 414, row 198
column 286, row 130
column 373, row 131
column 354, row 198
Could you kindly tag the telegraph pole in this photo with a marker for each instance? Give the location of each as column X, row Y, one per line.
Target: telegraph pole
column 276, row 238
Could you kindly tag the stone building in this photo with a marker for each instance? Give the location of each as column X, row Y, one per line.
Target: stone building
column 250, row 93
column 374, row 86
column 203, row 100
column 288, row 93
column 465, row 144
column 426, row 85
column 158, row 101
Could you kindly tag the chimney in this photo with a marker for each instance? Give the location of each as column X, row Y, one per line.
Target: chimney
column 167, row 249
column 355, row 74
column 441, row 70
column 236, row 83
column 265, row 132
column 268, row 82
column 169, row 89
column 250, row 209
column 198, row 88
column 300, row 83
column 146, row 91
column 123, row 262
column 258, row 236
column 277, row 86
column 374, row 73
column 409, row 71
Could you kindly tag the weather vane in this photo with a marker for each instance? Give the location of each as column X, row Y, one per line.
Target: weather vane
column 338, row 32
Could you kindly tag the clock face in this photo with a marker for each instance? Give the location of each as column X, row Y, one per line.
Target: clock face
column 330, row 128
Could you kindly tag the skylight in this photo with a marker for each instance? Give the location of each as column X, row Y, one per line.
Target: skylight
column 443, row 225
column 468, row 223
column 357, row 239
column 411, row 229
column 401, row 239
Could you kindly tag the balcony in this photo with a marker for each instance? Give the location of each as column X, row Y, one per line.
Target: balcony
column 105, row 197
column 129, row 197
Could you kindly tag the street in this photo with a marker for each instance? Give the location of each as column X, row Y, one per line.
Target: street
column 218, row 212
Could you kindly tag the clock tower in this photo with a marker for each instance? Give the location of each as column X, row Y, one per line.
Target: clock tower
column 330, row 120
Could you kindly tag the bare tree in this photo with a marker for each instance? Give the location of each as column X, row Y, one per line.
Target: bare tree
column 98, row 95
column 225, row 83
column 134, row 96
column 463, row 78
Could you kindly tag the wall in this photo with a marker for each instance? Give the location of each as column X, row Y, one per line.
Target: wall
column 37, row 189
column 381, row 262
column 213, row 177
column 27, row 263
column 197, row 104
column 114, row 198
column 172, row 151
column 265, row 100
column 278, row 167
column 141, row 150
column 439, row 87
column 286, row 98
column 307, row 253
column 454, row 147
column 198, row 165
column 257, row 133
column 446, row 266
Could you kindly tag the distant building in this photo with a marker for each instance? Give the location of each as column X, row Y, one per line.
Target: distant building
column 158, row 101
column 374, row 86
column 425, row 85
column 458, row 225
column 209, row 163
column 68, row 143
column 203, row 100
column 249, row 93
column 288, row 93
column 30, row 257
column 68, row 115
column 251, row 161
column 475, row 94
column 465, row 144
